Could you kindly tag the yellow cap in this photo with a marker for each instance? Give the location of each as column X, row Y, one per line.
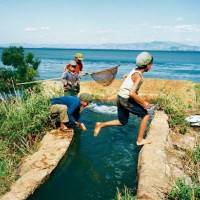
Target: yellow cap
column 79, row 56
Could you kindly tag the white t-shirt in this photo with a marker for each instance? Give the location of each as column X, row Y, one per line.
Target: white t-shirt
column 126, row 86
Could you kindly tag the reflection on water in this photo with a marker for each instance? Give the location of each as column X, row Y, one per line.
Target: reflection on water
column 94, row 167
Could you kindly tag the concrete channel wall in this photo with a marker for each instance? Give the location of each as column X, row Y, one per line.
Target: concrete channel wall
column 153, row 169
column 37, row 167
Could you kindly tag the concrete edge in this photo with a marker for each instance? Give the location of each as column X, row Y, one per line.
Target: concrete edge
column 153, row 169
column 37, row 167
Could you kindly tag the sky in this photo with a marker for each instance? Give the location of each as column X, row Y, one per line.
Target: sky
column 96, row 22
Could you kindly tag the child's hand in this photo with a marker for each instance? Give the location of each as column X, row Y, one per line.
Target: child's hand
column 69, row 83
column 146, row 105
column 76, row 83
column 83, row 127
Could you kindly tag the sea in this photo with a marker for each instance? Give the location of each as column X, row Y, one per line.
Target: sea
column 173, row 65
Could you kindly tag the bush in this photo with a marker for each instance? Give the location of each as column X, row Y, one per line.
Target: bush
column 23, row 121
column 25, row 65
column 7, row 79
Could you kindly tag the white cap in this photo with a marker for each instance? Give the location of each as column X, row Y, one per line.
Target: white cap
column 143, row 59
column 72, row 62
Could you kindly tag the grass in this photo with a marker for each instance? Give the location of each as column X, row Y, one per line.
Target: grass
column 197, row 91
column 175, row 110
column 22, row 125
column 182, row 189
column 125, row 194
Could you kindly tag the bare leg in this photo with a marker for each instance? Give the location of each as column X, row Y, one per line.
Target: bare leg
column 100, row 125
column 143, row 125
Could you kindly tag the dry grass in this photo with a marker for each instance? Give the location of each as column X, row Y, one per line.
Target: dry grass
column 150, row 90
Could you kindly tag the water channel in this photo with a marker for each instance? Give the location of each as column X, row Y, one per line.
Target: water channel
column 93, row 168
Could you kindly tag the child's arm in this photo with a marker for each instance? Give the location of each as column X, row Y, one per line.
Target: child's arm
column 65, row 68
column 64, row 78
column 136, row 78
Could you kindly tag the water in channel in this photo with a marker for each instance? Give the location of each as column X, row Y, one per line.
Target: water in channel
column 93, row 168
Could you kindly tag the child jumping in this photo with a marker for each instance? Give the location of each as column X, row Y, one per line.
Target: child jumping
column 128, row 100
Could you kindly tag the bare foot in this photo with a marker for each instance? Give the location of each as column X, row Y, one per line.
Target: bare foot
column 97, row 129
column 143, row 142
column 64, row 128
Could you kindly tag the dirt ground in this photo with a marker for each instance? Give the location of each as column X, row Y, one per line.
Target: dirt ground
column 150, row 90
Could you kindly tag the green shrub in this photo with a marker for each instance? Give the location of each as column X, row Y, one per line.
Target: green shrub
column 24, row 65
column 23, row 121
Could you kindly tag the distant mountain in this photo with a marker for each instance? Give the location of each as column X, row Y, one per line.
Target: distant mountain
column 156, row 45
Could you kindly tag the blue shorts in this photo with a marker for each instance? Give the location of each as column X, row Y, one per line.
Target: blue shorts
column 126, row 106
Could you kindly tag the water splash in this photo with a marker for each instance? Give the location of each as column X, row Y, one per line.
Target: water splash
column 111, row 110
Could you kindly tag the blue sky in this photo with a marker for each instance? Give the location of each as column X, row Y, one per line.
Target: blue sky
column 99, row 21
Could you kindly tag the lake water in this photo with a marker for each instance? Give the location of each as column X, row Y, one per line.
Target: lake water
column 174, row 65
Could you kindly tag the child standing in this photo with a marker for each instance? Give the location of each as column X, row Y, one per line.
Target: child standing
column 71, row 80
column 128, row 100
column 78, row 58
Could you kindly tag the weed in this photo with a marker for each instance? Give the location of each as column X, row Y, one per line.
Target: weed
column 197, row 92
column 183, row 191
column 126, row 194
column 174, row 108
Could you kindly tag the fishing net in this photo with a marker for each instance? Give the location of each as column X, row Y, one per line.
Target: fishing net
column 105, row 77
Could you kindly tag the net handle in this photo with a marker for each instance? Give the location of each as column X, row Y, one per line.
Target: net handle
column 24, row 83
column 89, row 73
